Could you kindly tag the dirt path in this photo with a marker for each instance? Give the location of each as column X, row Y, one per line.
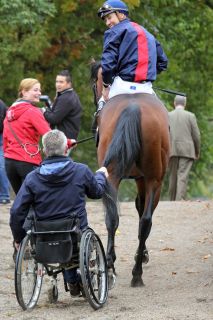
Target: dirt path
column 178, row 279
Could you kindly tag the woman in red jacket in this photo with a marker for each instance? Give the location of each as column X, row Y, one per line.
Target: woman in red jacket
column 23, row 127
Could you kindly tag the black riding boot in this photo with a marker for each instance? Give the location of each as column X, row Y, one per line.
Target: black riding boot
column 94, row 123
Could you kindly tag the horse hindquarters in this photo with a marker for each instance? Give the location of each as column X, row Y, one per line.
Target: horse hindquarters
column 123, row 150
column 136, row 133
column 155, row 159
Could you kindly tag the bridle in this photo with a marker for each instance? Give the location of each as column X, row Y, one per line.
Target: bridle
column 95, row 93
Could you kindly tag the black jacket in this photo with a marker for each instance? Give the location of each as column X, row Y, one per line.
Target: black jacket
column 2, row 114
column 65, row 114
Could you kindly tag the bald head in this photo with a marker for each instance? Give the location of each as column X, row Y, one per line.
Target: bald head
column 180, row 101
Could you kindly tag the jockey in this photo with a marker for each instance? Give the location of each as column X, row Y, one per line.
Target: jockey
column 131, row 57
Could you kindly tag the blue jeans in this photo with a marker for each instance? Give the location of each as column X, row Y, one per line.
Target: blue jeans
column 4, row 182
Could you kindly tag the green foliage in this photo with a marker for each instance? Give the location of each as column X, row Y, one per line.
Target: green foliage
column 184, row 28
column 40, row 37
column 23, row 36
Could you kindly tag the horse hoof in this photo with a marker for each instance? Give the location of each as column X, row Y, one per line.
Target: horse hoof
column 137, row 283
column 111, row 279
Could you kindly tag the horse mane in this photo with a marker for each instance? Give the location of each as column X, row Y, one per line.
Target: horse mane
column 125, row 147
column 95, row 65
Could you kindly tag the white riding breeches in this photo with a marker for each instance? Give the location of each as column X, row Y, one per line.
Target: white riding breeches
column 120, row 86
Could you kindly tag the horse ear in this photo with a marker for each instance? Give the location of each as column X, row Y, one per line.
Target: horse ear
column 92, row 61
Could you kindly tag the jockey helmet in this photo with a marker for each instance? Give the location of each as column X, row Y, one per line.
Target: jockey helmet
column 111, row 6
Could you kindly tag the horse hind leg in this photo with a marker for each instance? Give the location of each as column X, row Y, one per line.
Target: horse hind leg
column 112, row 221
column 139, row 204
column 145, row 255
column 112, row 225
column 145, row 225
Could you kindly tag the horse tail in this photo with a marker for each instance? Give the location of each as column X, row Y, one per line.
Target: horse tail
column 111, row 205
column 126, row 144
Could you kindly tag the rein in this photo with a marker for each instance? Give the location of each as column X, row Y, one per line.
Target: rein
column 83, row 140
column 171, row 91
column 80, row 141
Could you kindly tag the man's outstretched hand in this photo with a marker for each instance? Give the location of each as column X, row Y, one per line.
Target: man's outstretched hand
column 104, row 170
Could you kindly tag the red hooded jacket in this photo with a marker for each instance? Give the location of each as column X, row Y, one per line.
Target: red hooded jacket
column 28, row 123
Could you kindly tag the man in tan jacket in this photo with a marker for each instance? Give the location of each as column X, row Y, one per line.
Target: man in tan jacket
column 185, row 147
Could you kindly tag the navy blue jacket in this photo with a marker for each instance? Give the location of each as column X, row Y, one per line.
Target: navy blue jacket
column 132, row 53
column 55, row 189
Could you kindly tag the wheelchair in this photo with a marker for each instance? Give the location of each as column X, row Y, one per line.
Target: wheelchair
column 49, row 248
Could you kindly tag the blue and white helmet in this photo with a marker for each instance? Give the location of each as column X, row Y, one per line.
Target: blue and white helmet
column 111, row 6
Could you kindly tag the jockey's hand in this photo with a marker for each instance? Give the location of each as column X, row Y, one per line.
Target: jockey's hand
column 105, row 93
column 104, row 170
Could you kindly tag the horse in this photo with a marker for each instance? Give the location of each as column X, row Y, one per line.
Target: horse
column 133, row 143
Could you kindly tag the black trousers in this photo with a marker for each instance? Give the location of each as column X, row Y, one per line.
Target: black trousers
column 17, row 171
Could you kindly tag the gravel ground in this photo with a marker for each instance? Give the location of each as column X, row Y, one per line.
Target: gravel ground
column 178, row 278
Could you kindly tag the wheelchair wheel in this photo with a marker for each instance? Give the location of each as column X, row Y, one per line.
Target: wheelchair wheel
column 93, row 268
column 28, row 276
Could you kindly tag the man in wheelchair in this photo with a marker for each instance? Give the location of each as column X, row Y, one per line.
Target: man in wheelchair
column 55, row 190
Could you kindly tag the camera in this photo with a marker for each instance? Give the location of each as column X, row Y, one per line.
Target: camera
column 46, row 100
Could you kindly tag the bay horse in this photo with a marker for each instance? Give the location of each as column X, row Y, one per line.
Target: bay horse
column 133, row 142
